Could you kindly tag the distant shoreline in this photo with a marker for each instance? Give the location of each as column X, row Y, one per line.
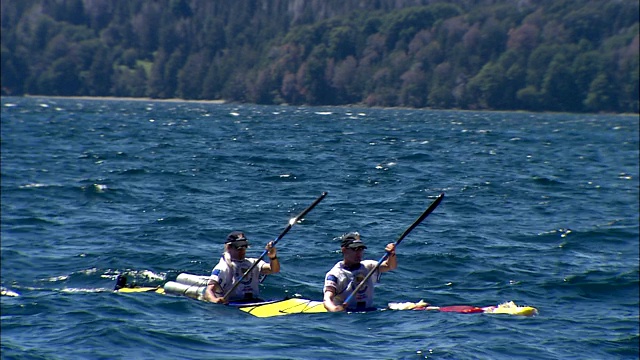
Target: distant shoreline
column 114, row 98
column 221, row 102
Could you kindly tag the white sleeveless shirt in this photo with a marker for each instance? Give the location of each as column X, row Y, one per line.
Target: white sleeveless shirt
column 227, row 276
column 345, row 281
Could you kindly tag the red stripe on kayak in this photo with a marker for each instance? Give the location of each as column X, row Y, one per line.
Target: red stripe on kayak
column 465, row 309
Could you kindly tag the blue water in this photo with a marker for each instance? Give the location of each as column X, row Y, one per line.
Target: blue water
column 539, row 209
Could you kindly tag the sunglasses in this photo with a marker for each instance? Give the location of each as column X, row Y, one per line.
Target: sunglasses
column 240, row 247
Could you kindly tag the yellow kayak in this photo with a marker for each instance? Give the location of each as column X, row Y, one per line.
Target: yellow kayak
column 284, row 307
column 138, row 289
column 193, row 286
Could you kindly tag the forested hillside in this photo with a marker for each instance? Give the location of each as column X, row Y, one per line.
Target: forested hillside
column 540, row 55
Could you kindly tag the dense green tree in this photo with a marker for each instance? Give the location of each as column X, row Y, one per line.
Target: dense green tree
column 414, row 87
column 561, row 55
column 440, row 94
column 538, row 63
column 601, row 94
column 488, row 87
column 530, row 98
column 585, row 23
column 341, row 42
column 171, row 70
column 129, row 82
column 311, row 79
column 585, row 67
column 11, row 73
column 559, row 86
column 191, row 76
column 344, row 81
column 45, row 30
column 213, row 81
column 61, row 78
column 157, row 76
column 98, row 79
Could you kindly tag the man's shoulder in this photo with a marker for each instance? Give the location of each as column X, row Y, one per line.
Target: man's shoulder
column 221, row 265
column 369, row 263
column 336, row 267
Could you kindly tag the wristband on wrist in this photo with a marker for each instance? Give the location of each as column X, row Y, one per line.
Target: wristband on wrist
column 274, row 258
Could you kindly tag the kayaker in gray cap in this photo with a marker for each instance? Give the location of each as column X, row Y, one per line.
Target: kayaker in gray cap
column 345, row 276
column 232, row 265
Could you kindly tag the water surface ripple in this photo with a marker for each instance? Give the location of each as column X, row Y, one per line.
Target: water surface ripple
column 540, row 209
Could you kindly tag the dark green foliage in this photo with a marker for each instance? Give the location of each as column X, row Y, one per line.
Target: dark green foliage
column 543, row 55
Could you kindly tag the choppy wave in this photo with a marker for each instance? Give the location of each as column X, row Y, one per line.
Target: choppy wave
column 541, row 209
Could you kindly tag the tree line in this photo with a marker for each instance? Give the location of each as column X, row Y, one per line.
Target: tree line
column 538, row 55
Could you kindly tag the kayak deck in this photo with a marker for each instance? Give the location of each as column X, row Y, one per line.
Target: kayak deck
column 285, row 307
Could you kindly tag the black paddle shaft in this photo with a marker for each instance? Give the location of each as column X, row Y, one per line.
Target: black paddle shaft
column 284, row 232
column 426, row 213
